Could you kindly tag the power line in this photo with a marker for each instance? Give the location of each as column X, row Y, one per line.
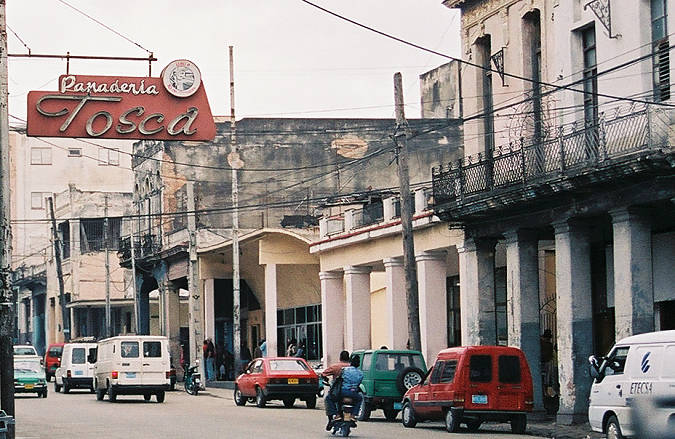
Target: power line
column 19, row 38
column 105, row 26
column 486, row 68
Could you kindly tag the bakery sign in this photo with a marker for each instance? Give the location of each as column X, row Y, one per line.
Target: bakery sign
column 171, row 107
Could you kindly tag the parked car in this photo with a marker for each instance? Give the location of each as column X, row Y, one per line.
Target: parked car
column 52, row 359
column 471, row 385
column 76, row 371
column 25, row 350
column 132, row 365
column 29, row 376
column 282, row 378
column 636, row 374
column 387, row 375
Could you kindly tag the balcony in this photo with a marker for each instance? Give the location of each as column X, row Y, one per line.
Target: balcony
column 631, row 143
column 145, row 246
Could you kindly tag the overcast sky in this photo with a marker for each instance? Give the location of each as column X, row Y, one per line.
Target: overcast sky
column 291, row 60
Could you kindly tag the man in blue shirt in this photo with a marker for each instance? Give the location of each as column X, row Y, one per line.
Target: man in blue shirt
column 351, row 380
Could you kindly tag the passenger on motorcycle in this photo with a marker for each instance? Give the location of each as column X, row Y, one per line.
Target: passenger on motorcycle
column 332, row 371
column 351, row 380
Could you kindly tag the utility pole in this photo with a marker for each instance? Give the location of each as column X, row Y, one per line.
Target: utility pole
column 108, row 325
column 137, row 315
column 7, row 302
column 234, row 161
column 59, row 273
column 412, row 297
column 195, row 314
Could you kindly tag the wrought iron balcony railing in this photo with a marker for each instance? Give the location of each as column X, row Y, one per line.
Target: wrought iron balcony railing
column 572, row 151
column 144, row 246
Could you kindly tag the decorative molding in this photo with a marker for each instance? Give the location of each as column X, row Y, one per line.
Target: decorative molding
column 603, row 10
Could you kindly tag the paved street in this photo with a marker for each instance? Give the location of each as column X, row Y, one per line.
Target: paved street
column 211, row 414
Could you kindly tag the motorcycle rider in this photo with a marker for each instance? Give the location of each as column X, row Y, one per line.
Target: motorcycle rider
column 332, row 371
column 351, row 380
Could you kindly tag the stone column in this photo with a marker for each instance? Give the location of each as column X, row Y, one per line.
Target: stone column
column 477, row 291
column 522, row 292
column 433, row 294
column 357, row 295
column 172, row 312
column 633, row 284
column 575, row 319
column 397, row 324
column 332, row 315
column 209, row 310
column 271, row 309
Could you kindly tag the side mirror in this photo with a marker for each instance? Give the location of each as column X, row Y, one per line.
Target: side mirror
column 594, row 367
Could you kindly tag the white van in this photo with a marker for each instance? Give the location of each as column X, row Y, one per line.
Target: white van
column 638, row 369
column 132, row 365
column 76, row 371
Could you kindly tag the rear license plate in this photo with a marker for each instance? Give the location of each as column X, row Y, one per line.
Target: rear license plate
column 293, row 381
column 29, row 386
column 131, row 374
column 397, row 406
column 479, row 399
column 79, row 372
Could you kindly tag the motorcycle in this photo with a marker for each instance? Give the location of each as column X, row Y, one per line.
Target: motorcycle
column 193, row 380
column 343, row 425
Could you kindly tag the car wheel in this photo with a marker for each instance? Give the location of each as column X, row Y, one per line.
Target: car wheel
column 311, row 402
column 364, row 411
column 451, row 422
column 44, row 393
column 147, row 397
column 57, row 388
column 409, row 378
column 112, row 395
column 288, row 402
column 518, row 424
column 613, row 428
column 473, row 425
column 408, row 416
column 239, row 399
column 160, row 396
column 390, row 414
column 260, row 400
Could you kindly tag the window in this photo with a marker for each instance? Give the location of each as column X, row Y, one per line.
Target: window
column 367, row 360
column 397, row 362
column 108, row 156
column 302, row 324
column 55, row 351
column 590, row 76
column 509, row 369
column 152, row 349
column 91, row 357
column 501, row 317
column 40, row 156
column 480, row 368
column 38, row 200
column 287, row 365
column 448, row 374
column 129, row 349
column 92, row 234
column 483, row 57
column 78, row 356
column 615, row 362
column 454, row 312
column 74, row 152
column 660, row 50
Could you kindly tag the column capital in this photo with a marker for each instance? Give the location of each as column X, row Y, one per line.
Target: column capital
column 626, row 214
column 392, row 262
column 569, row 224
column 516, row 235
column 474, row 244
column 327, row 275
column 353, row 269
column 430, row 256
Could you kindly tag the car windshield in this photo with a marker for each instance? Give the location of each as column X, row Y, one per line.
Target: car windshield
column 27, row 367
column 19, row 350
column 291, row 365
column 397, row 362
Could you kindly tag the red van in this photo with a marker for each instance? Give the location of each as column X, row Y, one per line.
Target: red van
column 52, row 359
column 470, row 385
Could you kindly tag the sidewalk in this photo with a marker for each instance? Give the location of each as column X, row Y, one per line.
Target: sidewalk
column 220, row 384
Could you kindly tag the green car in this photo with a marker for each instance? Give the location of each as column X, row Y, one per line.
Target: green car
column 29, row 376
column 387, row 375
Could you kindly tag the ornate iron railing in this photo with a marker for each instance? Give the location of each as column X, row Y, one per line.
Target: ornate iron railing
column 144, row 246
column 576, row 147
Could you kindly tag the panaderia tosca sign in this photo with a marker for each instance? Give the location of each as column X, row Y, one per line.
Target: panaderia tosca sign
column 171, row 107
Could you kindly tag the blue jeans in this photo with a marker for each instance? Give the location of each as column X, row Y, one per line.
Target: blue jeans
column 210, row 369
column 332, row 405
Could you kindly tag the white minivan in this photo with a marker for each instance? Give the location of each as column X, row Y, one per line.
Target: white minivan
column 638, row 371
column 75, row 371
column 132, row 365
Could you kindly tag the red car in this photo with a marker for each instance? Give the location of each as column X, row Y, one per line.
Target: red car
column 472, row 385
column 282, row 378
column 52, row 359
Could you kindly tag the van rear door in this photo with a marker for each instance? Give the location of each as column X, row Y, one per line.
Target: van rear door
column 130, row 363
column 481, row 393
column 78, row 362
column 510, row 387
column 155, row 362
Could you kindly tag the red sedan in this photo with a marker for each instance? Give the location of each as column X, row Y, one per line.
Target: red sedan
column 282, row 378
